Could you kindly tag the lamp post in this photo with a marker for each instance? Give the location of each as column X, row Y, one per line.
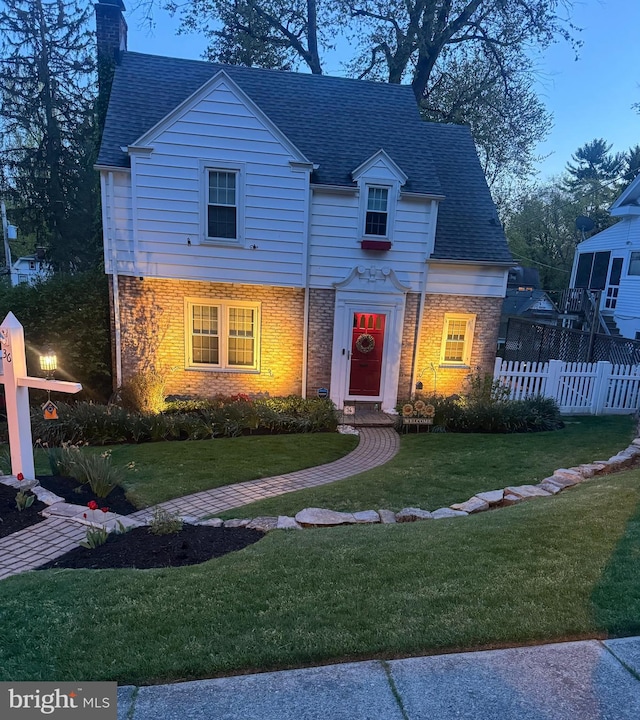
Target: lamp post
column 48, row 363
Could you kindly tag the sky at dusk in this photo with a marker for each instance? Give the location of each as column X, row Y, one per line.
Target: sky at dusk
column 589, row 98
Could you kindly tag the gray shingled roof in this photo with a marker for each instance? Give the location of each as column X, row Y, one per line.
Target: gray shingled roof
column 337, row 124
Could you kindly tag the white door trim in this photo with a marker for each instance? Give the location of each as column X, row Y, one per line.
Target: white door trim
column 347, row 302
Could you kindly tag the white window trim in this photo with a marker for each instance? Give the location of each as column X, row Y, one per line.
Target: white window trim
column 240, row 172
column 629, row 274
column 223, row 315
column 392, row 202
column 470, row 320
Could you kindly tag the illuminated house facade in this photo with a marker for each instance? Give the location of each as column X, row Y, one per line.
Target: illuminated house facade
column 273, row 232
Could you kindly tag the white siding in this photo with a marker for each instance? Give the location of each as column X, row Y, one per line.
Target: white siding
column 478, row 280
column 335, row 239
column 117, row 216
column 621, row 240
column 168, row 198
column 614, row 237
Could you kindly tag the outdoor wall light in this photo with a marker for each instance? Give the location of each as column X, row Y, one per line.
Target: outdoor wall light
column 48, row 363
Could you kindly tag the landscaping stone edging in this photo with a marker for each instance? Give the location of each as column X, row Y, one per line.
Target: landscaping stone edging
column 561, row 479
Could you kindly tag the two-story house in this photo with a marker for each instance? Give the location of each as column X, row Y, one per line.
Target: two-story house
column 609, row 263
column 281, row 232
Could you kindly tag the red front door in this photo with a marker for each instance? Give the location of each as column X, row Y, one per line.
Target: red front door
column 367, row 340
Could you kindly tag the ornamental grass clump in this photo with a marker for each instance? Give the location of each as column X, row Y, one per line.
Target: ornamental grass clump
column 98, row 472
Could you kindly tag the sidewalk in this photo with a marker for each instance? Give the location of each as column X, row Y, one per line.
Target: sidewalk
column 587, row 680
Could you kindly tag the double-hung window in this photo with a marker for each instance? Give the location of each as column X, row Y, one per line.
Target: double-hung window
column 222, row 335
column 222, row 204
column 457, row 338
column 377, row 213
column 634, row 264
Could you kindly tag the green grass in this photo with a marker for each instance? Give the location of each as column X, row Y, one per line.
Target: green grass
column 547, row 570
column 165, row 470
column 436, row 470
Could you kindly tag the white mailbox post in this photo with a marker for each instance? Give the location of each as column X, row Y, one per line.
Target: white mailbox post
column 16, row 387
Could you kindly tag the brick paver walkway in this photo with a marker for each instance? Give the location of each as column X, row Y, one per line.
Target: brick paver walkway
column 38, row 544
column 376, row 447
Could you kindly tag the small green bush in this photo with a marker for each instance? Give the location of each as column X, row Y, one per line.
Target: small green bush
column 164, row 522
column 144, row 393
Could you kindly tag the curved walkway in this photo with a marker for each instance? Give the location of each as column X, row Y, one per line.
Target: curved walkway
column 38, row 544
column 376, row 447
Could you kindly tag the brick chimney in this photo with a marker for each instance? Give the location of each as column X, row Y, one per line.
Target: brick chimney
column 111, row 35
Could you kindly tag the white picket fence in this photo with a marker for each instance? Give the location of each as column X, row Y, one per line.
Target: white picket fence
column 579, row 388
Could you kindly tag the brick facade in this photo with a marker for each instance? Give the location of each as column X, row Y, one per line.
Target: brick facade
column 408, row 344
column 448, row 380
column 321, row 314
column 158, row 306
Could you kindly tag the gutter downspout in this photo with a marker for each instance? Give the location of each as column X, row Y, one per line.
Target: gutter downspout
column 306, row 310
column 111, row 243
column 423, row 292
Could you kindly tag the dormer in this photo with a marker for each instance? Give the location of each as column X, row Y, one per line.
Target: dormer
column 379, row 180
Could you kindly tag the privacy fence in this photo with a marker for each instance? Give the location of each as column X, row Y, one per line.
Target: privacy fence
column 599, row 388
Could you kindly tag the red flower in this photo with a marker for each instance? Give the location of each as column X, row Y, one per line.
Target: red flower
column 92, row 505
column 20, row 477
column 84, row 515
column 105, row 509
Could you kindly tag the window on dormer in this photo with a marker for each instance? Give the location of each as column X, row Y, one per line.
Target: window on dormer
column 377, row 215
column 222, row 208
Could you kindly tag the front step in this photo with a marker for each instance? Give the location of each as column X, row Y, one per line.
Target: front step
column 366, row 414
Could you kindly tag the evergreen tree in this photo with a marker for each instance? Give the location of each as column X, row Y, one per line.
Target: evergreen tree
column 47, row 131
column 593, row 178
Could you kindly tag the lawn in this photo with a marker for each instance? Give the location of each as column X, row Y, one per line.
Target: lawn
column 164, row 470
column 435, row 470
column 551, row 569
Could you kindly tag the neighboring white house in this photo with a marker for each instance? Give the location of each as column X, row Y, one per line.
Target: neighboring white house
column 280, row 232
column 29, row 269
column 610, row 262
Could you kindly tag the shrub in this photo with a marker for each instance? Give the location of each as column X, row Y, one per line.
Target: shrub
column 164, row 522
column 490, row 415
column 144, row 393
column 71, row 313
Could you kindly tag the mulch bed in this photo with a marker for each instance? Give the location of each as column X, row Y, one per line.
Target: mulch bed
column 12, row 519
column 73, row 492
column 141, row 549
